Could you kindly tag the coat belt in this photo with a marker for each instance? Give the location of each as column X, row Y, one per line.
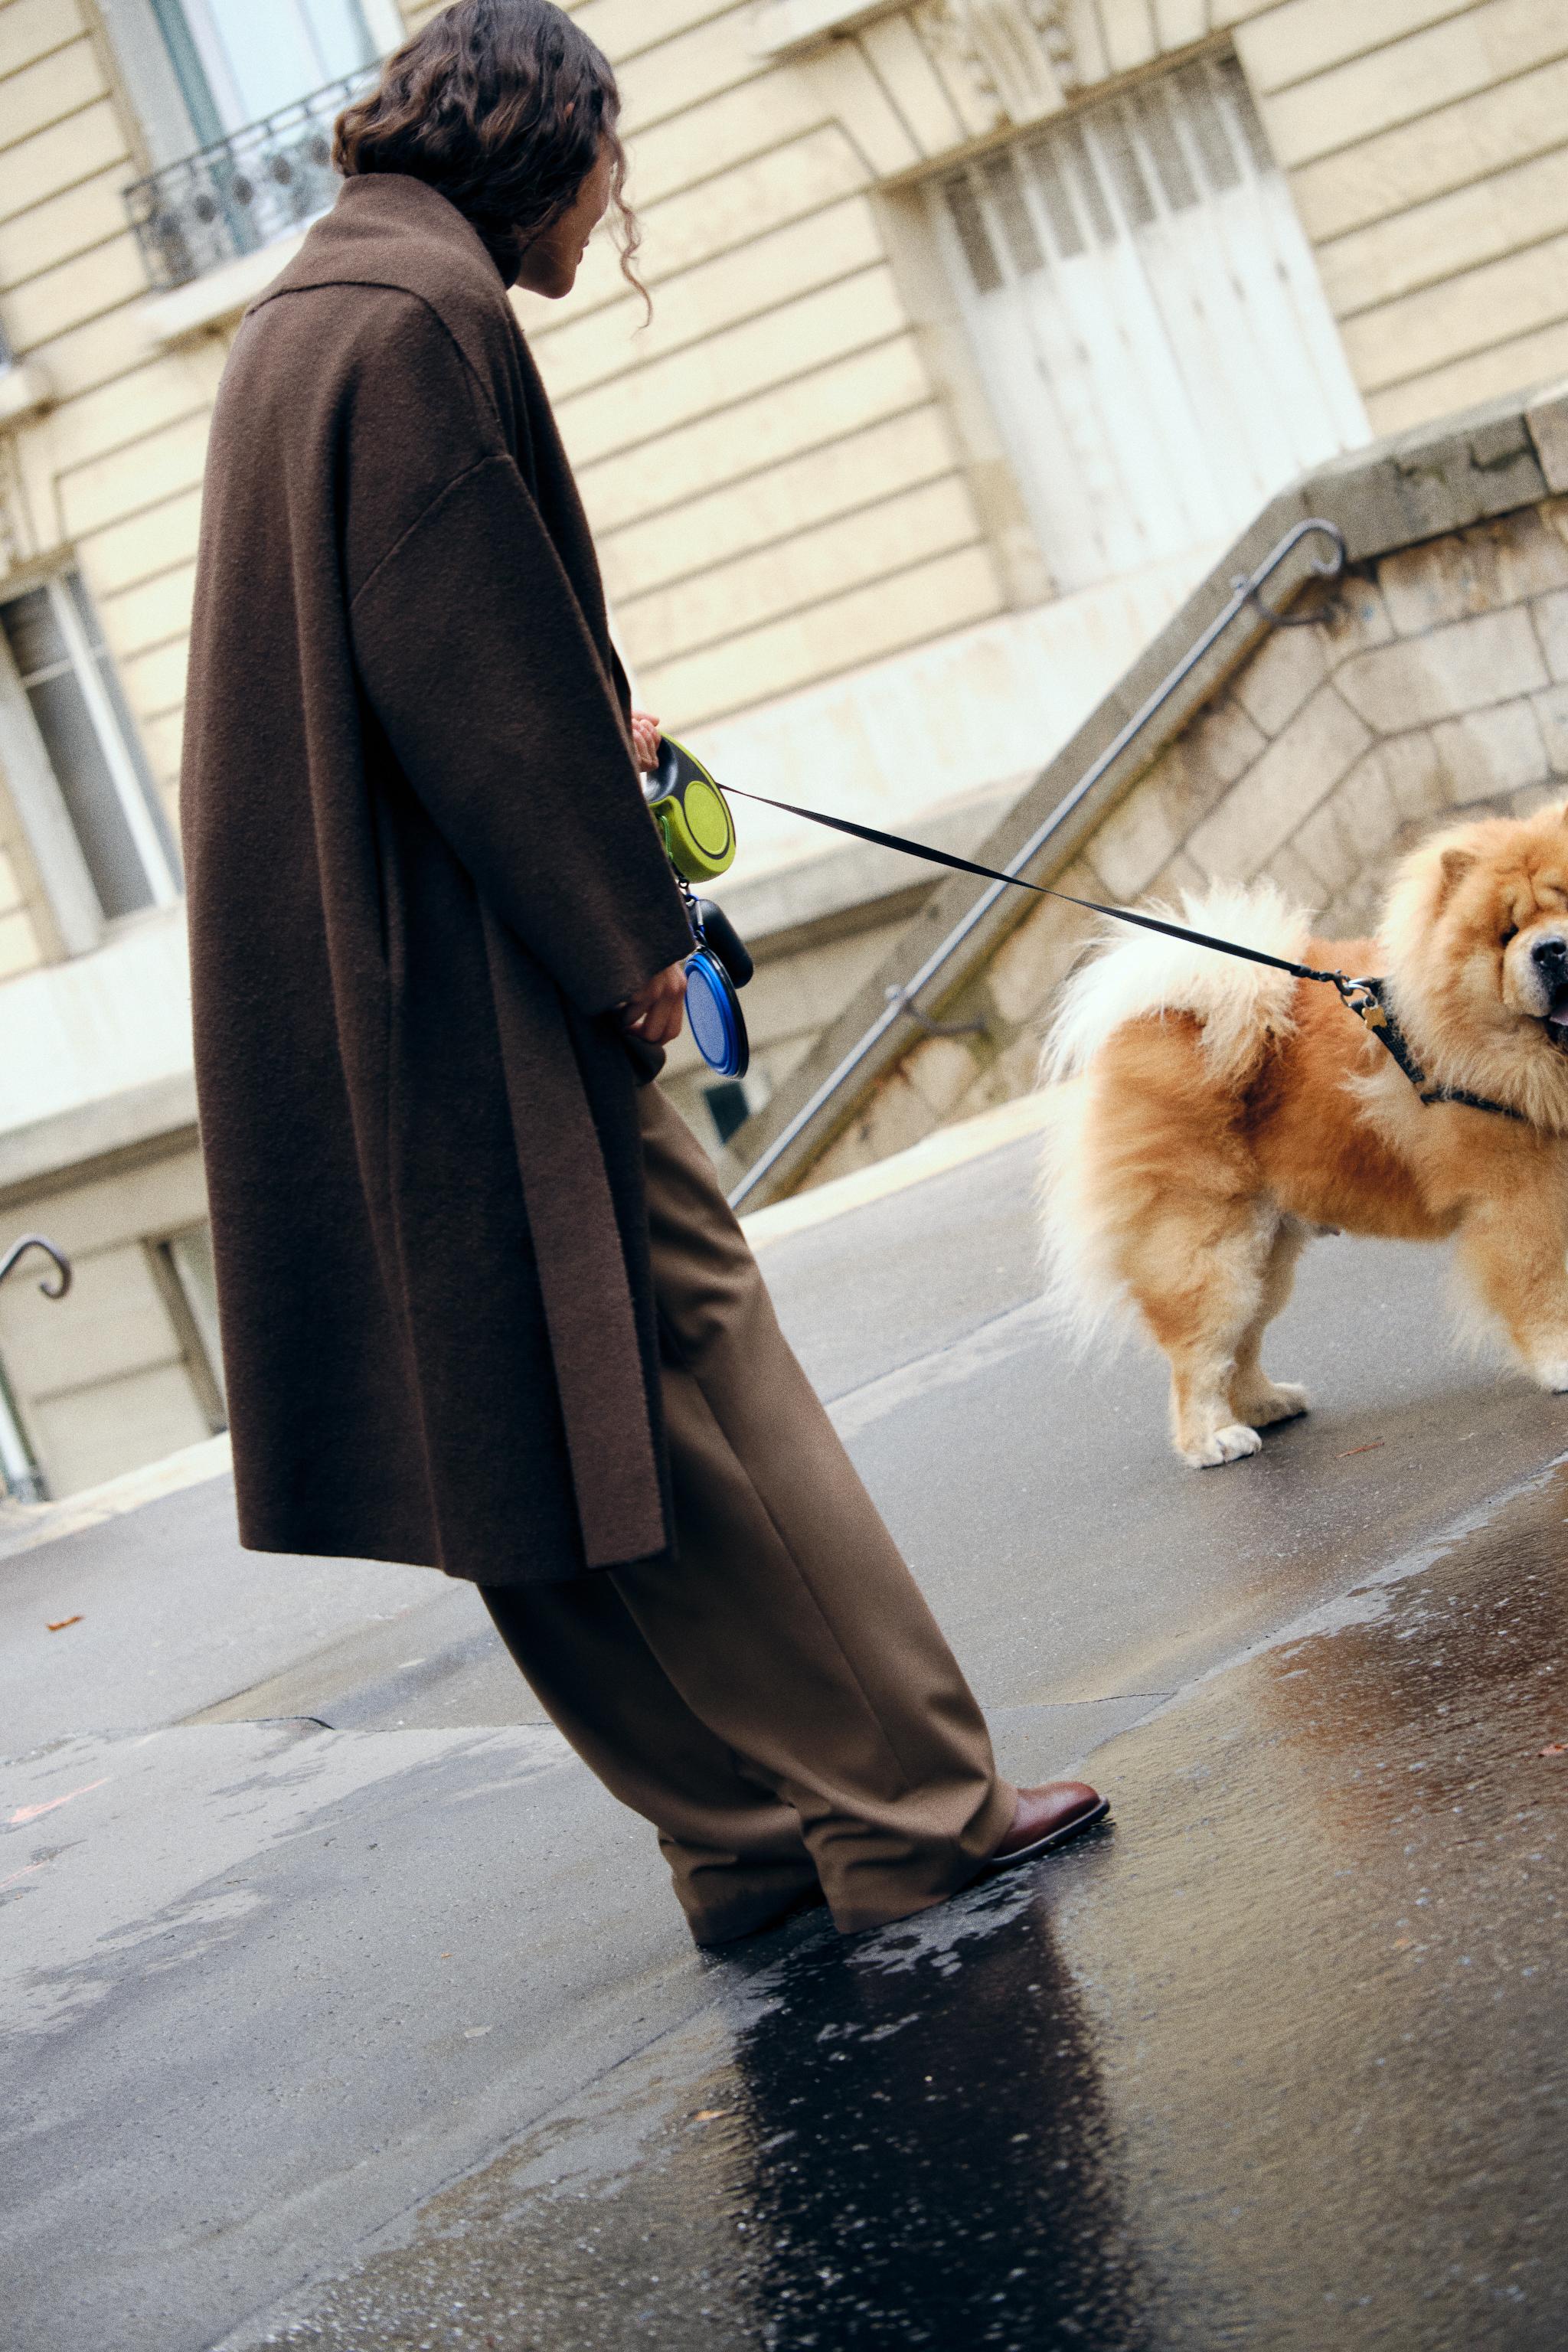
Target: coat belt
column 581, row 1264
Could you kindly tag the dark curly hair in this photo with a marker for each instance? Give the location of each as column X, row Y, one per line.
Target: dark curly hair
column 504, row 105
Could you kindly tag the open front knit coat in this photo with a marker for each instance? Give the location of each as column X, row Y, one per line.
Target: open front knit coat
column 421, row 877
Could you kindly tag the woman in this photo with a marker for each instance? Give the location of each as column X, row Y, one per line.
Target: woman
column 484, row 1307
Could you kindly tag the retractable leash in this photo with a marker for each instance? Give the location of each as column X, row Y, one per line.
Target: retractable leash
column 699, row 831
column 680, row 795
column 1365, row 998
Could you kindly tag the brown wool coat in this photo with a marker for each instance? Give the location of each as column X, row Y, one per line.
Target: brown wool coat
column 421, row 877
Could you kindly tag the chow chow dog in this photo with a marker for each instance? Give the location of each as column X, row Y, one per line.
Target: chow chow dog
column 1210, row 1116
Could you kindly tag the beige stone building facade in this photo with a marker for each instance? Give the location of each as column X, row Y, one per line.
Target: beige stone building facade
column 981, row 327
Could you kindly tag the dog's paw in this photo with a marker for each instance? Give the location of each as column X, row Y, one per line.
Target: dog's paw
column 1232, row 1443
column 1552, row 1375
column 1276, row 1401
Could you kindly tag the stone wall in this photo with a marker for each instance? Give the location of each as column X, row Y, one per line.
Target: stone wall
column 1431, row 683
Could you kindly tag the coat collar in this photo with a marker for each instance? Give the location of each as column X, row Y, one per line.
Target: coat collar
column 388, row 229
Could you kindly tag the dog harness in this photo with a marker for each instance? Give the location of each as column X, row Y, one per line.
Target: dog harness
column 1365, row 998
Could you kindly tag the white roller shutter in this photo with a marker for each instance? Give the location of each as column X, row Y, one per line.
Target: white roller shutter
column 1149, row 321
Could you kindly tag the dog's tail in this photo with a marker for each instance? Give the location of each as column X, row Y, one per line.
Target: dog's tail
column 1136, row 975
column 1083, row 1291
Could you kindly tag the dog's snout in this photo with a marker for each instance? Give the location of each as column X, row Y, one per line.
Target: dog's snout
column 1550, row 956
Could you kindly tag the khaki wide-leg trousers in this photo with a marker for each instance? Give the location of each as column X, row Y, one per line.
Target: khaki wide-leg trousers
column 778, row 1700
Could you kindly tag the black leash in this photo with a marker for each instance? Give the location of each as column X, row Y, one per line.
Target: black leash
column 1364, row 997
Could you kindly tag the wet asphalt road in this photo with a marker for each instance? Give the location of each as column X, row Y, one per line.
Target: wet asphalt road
column 1278, row 2062
column 344, row 2008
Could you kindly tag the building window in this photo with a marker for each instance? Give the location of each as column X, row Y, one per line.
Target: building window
column 183, row 1269
column 237, row 63
column 1148, row 320
column 254, row 92
column 65, row 670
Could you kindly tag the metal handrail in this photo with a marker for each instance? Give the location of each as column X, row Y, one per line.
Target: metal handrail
column 18, row 1250
column 1246, row 588
column 26, row 1485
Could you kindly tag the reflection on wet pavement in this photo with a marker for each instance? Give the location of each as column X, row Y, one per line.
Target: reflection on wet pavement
column 904, row 2143
column 923, row 2147
column 1280, row 2063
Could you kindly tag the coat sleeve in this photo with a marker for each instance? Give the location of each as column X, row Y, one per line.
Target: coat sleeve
column 475, row 657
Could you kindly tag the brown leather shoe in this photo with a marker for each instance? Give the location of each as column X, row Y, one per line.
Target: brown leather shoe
column 1046, row 1818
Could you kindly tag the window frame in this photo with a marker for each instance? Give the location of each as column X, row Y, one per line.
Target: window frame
column 36, row 790
column 211, row 71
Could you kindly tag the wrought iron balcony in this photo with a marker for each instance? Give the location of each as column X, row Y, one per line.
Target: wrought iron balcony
column 242, row 192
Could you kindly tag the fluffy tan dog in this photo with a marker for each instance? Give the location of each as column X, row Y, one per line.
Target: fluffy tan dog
column 1212, row 1114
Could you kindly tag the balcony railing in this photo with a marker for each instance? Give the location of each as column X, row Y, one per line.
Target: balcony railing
column 244, row 191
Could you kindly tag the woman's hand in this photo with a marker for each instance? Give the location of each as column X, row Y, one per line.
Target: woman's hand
column 644, row 741
column 654, row 1011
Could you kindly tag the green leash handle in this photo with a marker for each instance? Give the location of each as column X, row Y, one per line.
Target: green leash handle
column 691, row 811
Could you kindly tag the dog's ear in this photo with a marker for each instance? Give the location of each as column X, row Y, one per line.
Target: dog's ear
column 1452, row 866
